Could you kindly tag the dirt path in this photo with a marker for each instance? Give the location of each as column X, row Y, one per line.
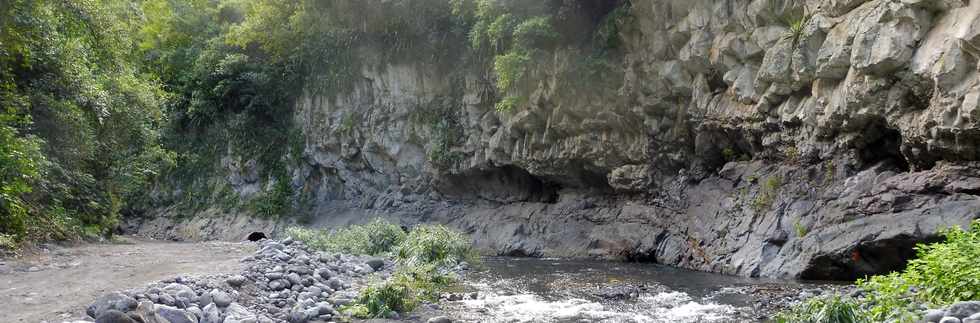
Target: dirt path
column 57, row 285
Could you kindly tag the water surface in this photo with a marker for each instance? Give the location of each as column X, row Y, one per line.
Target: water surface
column 561, row 290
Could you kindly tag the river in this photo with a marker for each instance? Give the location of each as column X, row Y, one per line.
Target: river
column 559, row 290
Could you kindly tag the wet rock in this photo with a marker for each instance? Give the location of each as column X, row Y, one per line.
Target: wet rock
column 112, row 301
column 619, row 292
column 949, row 319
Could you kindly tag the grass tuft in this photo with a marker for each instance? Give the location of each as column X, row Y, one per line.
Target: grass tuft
column 826, row 309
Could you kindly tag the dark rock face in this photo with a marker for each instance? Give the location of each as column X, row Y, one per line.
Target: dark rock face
column 724, row 146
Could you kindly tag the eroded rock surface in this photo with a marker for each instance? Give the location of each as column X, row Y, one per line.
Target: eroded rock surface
column 726, row 141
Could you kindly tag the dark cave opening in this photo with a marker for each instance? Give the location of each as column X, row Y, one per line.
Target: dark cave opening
column 641, row 256
column 885, row 147
column 256, row 236
column 867, row 258
column 506, row 184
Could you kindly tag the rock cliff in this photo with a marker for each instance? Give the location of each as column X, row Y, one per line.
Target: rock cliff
column 815, row 139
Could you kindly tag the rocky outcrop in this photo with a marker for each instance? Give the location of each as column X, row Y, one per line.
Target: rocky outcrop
column 813, row 139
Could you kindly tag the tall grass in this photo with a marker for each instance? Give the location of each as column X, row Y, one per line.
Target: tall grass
column 378, row 237
column 828, row 309
column 435, row 245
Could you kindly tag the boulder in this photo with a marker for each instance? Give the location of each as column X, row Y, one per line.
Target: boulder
column 211, row 314
column 963, row 310
column 236, row 313
column 221, row 299
column 175, row 315
column 235, row 281
column 933, row 315
column 146, row 312
column 112, row 301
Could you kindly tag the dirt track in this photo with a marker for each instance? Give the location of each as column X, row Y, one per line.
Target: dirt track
column 57, row 285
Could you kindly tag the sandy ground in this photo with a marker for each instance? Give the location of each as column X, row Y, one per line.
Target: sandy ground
column 57, row 284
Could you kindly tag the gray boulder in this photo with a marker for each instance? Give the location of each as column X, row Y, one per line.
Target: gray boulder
column 111, row 301
column 950, row 319
column 175, row 315
column 211, row 314
column 239, row 314
column 294, row 279
column 335, row 283
column 221, row 299
column 963, row 309
column 324, row 273
column 975, row 318
column 235, row 281
column 146, row 312
column 933, row 315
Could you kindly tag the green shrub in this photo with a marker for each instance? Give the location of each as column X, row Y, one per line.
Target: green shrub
column 7, row 242
column 377, row 237
column 426, row 257
column 406, row 288
column 535, row 32
column 508, row 103
column 800, row 229
column 767, row 193
column 434, row 245
column 890, row 297
column 943, row 273
column 383, row 299
column 510, row 69
column 826, row 309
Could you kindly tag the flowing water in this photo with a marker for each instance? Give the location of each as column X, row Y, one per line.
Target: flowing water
column 558, row 290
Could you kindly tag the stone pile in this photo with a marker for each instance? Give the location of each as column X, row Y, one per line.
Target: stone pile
column 962, row 312
column 283, row 281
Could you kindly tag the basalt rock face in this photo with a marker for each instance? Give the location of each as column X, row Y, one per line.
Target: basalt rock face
column 731, row 140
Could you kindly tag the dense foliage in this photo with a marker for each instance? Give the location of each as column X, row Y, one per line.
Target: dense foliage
column 78, row 118
column 376, row 238
column 943, row 273
column 425, row 258
column 111, row 107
